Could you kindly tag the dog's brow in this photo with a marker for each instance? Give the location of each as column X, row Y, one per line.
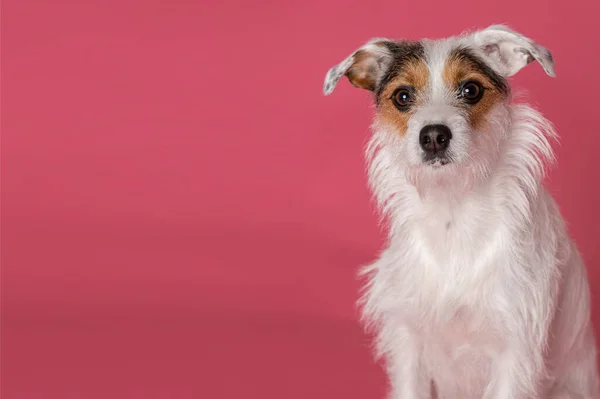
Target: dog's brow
column 464, row 53
column 402, row 52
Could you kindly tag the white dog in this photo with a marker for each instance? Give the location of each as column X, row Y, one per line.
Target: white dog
column 480, row 292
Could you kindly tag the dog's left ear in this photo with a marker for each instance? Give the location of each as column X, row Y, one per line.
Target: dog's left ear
column 508, row 51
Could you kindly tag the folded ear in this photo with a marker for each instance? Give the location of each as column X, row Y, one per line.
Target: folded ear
column 364, row 68
column 508, row 51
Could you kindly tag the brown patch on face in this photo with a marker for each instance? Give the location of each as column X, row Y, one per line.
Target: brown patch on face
column 459, row 69
column 415, row 74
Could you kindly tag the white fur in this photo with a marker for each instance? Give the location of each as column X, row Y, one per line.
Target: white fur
column 479, row 289
column 480, row 292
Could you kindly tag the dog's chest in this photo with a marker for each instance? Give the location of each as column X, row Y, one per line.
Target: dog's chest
column 451, row 235
column 456, row 271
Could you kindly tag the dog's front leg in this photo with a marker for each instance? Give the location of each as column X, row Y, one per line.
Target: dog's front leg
column 407, row 377
column 518, row 370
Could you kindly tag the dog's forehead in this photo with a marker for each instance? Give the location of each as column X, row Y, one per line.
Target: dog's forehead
column 436, row 52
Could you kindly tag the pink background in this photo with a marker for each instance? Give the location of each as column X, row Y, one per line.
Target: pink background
column 183, row 212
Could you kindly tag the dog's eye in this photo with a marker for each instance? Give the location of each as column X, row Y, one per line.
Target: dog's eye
column 471, row 91
column 403, row 98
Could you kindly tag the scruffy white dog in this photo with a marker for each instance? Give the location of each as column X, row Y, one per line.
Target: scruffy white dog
column 480, row 292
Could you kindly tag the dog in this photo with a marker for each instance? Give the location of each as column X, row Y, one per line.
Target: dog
column 479, row 292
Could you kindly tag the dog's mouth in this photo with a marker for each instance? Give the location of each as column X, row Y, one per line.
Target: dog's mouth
column 437, row 160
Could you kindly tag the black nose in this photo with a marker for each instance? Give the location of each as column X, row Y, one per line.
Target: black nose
column 435, row 138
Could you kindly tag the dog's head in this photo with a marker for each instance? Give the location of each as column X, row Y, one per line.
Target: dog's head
column 443, row 101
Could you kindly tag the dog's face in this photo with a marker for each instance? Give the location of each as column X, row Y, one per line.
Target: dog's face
column 443, row 101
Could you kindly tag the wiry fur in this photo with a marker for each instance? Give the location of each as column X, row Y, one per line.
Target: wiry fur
column 480, row 292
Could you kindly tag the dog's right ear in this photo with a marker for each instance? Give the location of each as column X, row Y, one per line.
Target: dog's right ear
column 364, row 68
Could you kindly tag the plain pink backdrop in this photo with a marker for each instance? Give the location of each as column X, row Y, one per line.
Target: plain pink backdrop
column 183, row 212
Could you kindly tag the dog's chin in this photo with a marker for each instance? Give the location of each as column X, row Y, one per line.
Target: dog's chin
column 441, row 174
